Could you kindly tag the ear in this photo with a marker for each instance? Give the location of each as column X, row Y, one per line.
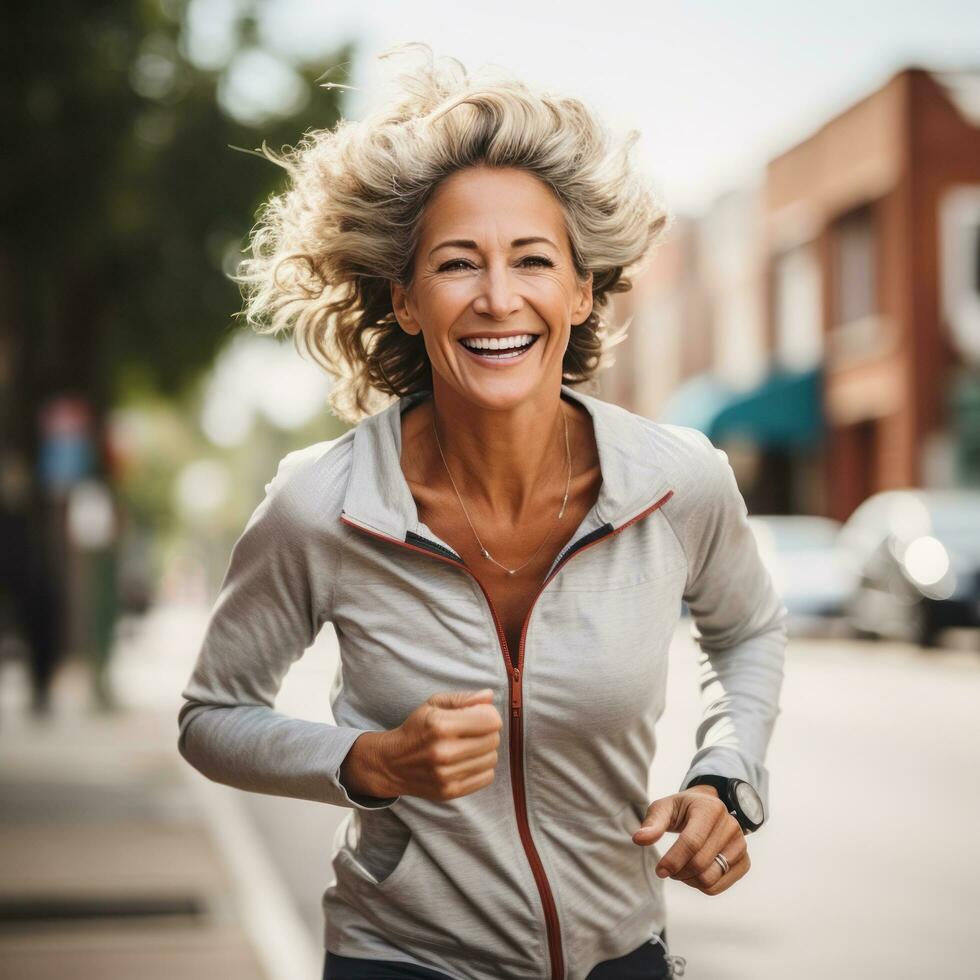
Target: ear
column 581, row 312
column 402, row 310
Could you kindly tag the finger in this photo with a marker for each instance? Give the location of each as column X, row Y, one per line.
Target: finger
column 662, row 815
column 698, row 818
column 460, row 699
column 468, row 785
column 726, row 838
column 472, row 766
column 737, row 870
column 474, row 746
column 446, row 752
column 714, row 876
column 705, row 871
column 475, row 720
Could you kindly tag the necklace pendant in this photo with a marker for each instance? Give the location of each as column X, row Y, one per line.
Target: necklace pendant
column 485, row 553
column 510, row 571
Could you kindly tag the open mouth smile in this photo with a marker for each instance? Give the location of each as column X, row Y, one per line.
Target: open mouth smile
column 494, row 351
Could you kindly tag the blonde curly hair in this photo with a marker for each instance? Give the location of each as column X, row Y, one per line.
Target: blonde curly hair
column 324, row 252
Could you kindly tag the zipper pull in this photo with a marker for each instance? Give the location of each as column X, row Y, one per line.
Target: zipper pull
column 515, row 700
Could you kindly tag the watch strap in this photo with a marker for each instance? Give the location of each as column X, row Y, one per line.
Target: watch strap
column 725, row 787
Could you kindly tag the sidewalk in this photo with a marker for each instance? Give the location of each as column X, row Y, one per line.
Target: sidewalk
column 108, row 865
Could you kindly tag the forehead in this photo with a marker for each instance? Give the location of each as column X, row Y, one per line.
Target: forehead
column 476, row 198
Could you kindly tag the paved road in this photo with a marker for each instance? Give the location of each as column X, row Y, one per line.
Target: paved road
column 870, row 865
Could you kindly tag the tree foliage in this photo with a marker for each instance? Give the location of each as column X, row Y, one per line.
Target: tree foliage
column 122, row 200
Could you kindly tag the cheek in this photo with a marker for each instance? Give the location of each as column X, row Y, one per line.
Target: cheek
column 558, row 300
column 559, row 326
column 440, row 308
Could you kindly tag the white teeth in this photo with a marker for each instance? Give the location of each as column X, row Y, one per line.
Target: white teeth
column 497, row 343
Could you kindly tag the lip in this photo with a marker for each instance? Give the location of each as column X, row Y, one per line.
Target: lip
column 498, row 364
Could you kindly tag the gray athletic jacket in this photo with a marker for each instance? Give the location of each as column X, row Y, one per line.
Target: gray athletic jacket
column 535, row 875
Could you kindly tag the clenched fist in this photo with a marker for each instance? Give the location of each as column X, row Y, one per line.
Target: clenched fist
column 447, row 747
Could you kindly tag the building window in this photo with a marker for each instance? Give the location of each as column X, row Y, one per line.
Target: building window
column 960, row 230
column 796, row 306
column 855, row 289
column 858, row 331
column 976, row 258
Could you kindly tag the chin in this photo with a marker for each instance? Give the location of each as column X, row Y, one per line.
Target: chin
column 501, row 394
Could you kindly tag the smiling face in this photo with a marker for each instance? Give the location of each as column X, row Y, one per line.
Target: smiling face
column 494, row 267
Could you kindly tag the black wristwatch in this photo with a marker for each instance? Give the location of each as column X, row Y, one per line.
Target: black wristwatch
column 740, row 799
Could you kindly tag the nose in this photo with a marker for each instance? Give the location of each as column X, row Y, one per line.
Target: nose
column 498, row 296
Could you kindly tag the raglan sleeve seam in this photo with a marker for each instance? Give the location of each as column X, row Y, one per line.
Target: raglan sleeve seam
column 684, row 551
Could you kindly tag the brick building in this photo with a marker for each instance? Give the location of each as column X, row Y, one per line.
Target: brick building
column 825, row 327
column 855, row 232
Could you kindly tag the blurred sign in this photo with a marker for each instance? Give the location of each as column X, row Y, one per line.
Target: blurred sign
column 67, row 453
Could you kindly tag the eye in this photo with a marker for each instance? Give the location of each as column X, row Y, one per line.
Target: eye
column 453, row 264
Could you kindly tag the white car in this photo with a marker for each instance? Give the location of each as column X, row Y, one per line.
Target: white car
column 814, row 579
column 916, row 556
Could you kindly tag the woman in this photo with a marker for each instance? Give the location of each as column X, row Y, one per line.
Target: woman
column 503, row 558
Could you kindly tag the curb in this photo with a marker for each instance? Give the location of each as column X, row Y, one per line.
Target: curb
column 266, row 911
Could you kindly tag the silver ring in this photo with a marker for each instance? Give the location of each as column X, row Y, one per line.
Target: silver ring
column 723, row 863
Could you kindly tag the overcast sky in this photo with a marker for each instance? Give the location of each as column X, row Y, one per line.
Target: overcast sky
column 716, row 88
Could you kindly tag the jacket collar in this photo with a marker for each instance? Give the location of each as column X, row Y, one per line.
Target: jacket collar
column 379, row 497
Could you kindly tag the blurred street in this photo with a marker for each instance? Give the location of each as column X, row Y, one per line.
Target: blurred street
column 862, row 872
column 107, row 869
column 117, row 860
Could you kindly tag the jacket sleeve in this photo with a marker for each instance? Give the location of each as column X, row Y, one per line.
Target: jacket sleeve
column 739, row 624
column 276, row 594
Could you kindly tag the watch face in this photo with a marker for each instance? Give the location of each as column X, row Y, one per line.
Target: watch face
column 749, row 801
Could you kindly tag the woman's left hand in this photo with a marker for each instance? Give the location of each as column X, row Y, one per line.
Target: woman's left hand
column 706, row 828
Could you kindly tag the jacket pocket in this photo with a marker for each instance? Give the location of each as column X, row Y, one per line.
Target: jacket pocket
column 475, row 913
column 346, row 857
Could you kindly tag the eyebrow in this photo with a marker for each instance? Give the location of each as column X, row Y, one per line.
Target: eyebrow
column 516, row 243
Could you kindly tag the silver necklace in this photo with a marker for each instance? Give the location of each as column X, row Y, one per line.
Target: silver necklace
column 561, row 513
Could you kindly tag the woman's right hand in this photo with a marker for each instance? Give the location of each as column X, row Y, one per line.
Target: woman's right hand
column 446, row 748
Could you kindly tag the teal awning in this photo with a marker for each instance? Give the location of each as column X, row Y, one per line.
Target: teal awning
column 784, row 411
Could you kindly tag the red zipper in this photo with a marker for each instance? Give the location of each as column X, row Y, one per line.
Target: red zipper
column 517, row 720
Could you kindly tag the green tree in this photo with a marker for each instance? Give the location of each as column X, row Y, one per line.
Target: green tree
column 122, row 207
column 122, row 199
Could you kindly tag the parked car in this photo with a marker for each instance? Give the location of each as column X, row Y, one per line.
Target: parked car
column 807, row 570
column 916, row 558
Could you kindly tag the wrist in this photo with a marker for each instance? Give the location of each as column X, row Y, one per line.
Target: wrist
column 363, row 772
column 704, row 788
column 739, row 796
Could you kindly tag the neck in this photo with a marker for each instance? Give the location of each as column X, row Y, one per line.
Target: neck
column 502, row 461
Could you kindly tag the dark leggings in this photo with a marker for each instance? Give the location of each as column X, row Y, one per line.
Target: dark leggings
column 646, row 962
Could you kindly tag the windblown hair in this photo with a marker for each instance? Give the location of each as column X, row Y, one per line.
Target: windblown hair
column 324, row 252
